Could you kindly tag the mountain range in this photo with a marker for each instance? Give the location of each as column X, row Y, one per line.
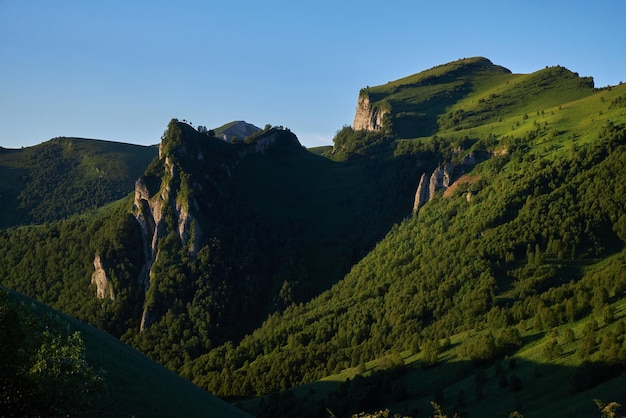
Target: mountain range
column 459, row 248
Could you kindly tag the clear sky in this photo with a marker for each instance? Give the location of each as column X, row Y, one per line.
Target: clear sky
column 120, row 70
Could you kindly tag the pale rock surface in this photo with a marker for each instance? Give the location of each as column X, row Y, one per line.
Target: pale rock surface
column 99, row 278
column 367, row 118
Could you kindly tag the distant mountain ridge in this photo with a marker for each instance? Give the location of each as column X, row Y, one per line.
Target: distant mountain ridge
column 66, row 176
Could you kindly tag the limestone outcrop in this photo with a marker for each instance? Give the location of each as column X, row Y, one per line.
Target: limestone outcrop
column 444, row 176
column 99, row 278
column 422, row 195
column 368, row 117
column 148, row 211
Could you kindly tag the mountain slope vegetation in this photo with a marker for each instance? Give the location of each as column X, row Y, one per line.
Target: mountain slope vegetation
column 53, row 365
column 231, row 232
column 66, row 176
column 466, row 248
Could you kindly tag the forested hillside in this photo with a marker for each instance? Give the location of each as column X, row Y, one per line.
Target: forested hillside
column 463, row 243
column 527, row 258
column 220, row 236
column 66, row 176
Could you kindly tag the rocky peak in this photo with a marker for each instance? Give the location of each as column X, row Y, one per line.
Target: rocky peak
column 148, row 209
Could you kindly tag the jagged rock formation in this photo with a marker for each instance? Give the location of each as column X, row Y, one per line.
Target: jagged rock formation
column 99, row 278
column 444, row 176
column 367, row 118
column 165, row 201
column 148, row 211
column 441, row 178
column 422, row 194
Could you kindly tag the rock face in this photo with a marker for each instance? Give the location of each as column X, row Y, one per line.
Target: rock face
column 99, row 278
column 367, row 118
column 148, row 211
column 444, row 176
column 422, row 195
column 441, row 178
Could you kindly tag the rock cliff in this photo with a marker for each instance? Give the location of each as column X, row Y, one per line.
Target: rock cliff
column 444, row 176
column 368, row 117
column 422, row 195
column 149, row 210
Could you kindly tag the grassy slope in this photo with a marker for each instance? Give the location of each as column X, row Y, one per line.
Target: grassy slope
column 64, row 176
column 570, row 117
column 546, row 386
column 137, row 386
column 417, row 101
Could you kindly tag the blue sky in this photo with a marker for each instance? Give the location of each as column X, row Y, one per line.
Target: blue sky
column 120, row 70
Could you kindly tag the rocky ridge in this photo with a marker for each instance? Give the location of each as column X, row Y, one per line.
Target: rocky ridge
column 444, row 177
column 175, row 194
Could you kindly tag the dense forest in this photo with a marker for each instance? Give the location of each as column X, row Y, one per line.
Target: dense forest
column 295, row 283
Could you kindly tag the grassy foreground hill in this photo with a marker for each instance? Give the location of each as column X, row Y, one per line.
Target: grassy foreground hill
column 78, row 370
column 466, row 247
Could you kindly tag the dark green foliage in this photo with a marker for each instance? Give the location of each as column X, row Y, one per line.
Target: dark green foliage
column 591, row 374
column 350, row 144
column 54, row 263
column 43, row 371
column 196, row 299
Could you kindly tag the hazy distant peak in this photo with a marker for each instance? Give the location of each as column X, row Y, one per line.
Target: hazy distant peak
column 240, row 129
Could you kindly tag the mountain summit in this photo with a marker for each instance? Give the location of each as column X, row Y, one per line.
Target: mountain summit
column 237, row 129
column 418, row 105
